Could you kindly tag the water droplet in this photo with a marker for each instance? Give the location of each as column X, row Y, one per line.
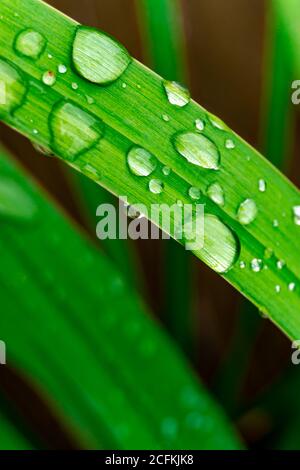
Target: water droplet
column 177, row 94
column 156, row 186
column 50, row 56
column 256, row 265
column 73, row 130
column 197, row 149
column 98, row 57
column 200, row 124
column 280, row 264
column 141, row 162
column 62, row 69
column 221, row 247
column 247, row 212
column 277, row 288
column 218, row 123
column 30, row 43
column 296, row 212
column 275, row 223
column 124, row 85
column 262, row 186
column 242, row 264
column 49, row 78
column 15, row 202
column 166, row 170
column 292, row 286
column 166, row 118
column 194, row 193
column 13, row 88
column 229, row 144
column 89, row 99
column 179, row 203
column 74, row 85
column 216, row 194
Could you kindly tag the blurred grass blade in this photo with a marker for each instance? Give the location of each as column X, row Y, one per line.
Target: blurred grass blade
column 86, row 342
column 100, row 140
column 162, row 33
column 10, row 437
column 277, row 139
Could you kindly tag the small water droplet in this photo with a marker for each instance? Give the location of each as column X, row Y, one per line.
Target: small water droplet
column 218, row 123
column 280, row 264
column 156, row 186
column 141, row 162
column 73, row 130
column 242, row 264
column 13, row 88
column 30, row 43
column 179, row 203
column 216, row 194
column 89, row 99
column 277, row 288
column 49, row 78
column 166, row 170
column 292, row 286
column 221, row 247
column 229, row 144
column 62, row 69
column 35, row 131
column 124, row 85
column 74, row 86
column 50, row 56
column 197, row 149
column 194, row 193
column 15, row 203
column 262, row 186
column 165, row 118
column 296, row 213
column 275, row 223
column 256, row 265
column 177, row 94
column 98, row 57
column 200, row 124
column 247, row 212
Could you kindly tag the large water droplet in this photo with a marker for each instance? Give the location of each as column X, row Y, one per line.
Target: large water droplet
column 30, row 43
column 141, row 162
column 73, row 130
column 221, row 247
column 296, row 212
column 247, row 212
column 176, row 93
column 156, row 186
column 98, row 57
column 13, row 88
column 216, row 194
column 197, row 149
column 15, row 202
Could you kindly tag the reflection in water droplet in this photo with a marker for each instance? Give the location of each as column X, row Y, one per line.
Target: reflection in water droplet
column 30, row 43
column 256, row 265
column 262, row 186
column 247, row 212
column 197, row 149
column 73, row 130
column 49, row 78
column 221, row 247
column 176, row 93
column 194, row 193
column 156, row 186
column 15, row 202
column 141, row 162
column 13, row 88
column 200, row 124
column 216, row 194
column 98, row 57
column 296, row 213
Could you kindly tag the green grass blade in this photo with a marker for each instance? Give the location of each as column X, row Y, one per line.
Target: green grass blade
column 277, row 125
column 110, row 373
column 132, row 115
column 10, row 437
column 162, row 35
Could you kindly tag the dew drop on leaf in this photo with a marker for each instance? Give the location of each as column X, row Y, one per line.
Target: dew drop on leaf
column 141, row 162
column 256, row 265
column 247, row 212
column 296, row 213
column 73, row 130
column 197, row 149
column 49, row 78
column 194, row 193
column 166, row 170
column 62, row 69
column 177, row 94
column 218, row 123
column 98, row 57
column 13, row 88
column 229, row 144
column 216, row 194
column 200, row 124
column 156, row 186
column 30, row 43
